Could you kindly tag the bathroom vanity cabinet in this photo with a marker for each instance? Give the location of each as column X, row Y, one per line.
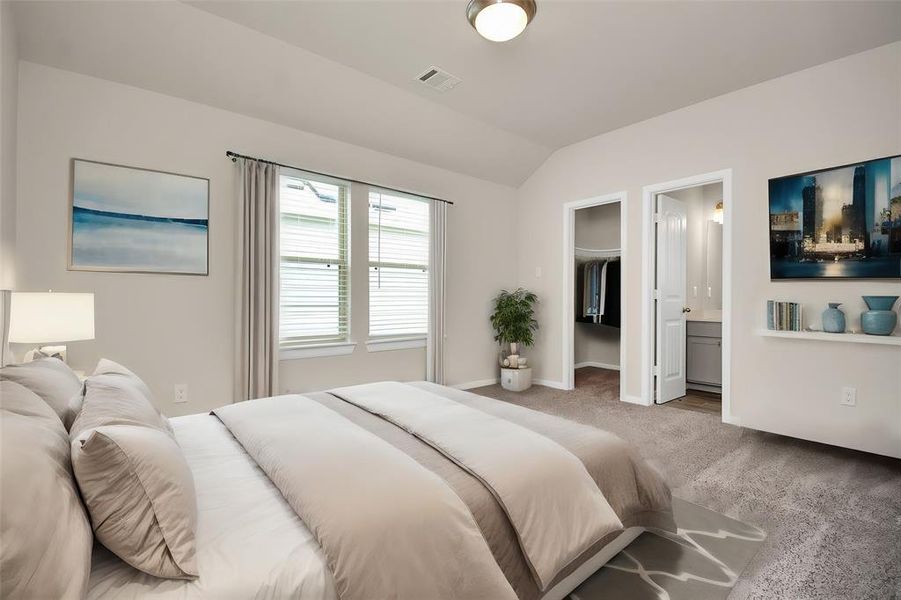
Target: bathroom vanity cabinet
column 704, row 355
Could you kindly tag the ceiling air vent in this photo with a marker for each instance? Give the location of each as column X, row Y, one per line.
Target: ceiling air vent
column 438, row 79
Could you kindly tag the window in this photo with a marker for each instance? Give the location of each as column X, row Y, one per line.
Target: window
column 314, row 271
column 398, row 265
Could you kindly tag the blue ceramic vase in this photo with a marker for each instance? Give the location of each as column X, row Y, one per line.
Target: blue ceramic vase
column 880, row 319
column 833, row 319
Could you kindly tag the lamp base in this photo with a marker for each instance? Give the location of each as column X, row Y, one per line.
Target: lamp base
column 46, row 352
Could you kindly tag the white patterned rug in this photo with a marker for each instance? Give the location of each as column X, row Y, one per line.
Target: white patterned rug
column 701, row 562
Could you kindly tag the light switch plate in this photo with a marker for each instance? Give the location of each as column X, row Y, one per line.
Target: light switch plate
column 181, row 393
column 849, row 396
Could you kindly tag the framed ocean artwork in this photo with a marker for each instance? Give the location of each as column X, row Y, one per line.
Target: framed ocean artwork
column 133, row 220
column 837, row 223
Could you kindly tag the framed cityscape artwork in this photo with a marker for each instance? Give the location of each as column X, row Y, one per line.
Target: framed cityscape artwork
column 837, row 223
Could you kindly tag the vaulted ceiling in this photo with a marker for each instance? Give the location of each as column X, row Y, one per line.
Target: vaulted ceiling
column 348, row 69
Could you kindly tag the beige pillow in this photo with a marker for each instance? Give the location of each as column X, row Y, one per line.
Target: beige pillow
column 140, row 494
column 45, row 532
column 52, row 380
column 116, row 400
column 109, row 367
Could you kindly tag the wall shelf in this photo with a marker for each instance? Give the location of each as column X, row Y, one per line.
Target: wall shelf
column 854, row 338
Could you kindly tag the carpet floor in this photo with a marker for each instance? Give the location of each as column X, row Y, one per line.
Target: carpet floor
column 832, row 516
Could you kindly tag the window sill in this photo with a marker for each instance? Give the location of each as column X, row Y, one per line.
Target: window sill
column 317, row 350
column 386, row 344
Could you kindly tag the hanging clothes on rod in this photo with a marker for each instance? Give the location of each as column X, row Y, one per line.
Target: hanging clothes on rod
column 598, row 290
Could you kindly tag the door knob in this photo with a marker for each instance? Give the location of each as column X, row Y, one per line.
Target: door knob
column 685, row 309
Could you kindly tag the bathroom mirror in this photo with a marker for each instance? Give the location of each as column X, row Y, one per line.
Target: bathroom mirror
column 714, row 250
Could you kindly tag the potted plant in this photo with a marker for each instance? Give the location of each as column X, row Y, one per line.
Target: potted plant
column 513, row 318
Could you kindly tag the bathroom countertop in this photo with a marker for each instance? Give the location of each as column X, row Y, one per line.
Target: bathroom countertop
column 706, row 317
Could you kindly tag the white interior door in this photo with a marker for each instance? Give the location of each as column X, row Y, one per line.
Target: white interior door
column 672, row 220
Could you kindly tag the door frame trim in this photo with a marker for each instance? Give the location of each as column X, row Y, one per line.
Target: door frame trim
column 568, row 325
column 648, row 269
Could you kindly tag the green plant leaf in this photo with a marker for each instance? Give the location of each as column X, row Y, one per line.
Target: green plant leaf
column 513, row 318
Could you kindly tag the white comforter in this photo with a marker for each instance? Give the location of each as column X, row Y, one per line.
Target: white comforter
column 253, row 532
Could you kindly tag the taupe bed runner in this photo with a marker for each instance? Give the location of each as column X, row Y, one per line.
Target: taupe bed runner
column 389, row 528
column 552, row 502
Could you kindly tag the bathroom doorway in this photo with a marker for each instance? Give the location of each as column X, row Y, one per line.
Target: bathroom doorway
column 686, row 312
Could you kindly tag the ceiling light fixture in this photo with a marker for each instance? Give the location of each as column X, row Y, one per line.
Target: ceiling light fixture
column 500, row 20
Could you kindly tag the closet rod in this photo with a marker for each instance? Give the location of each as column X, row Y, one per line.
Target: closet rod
column 235, row 156
column 598, row 252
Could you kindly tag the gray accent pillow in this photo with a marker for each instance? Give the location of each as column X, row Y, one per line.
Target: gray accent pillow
column 114, row 399
column 52, row 380
column 140, row 494
column 46, row 549
column 109, row 367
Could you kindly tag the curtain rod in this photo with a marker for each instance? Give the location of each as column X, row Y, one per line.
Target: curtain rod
column 234, row 156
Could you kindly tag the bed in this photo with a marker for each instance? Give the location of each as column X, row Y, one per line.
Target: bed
column 289, row 501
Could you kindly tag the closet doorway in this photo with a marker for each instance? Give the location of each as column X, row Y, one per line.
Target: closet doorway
column 594, row 309
column 686, row 282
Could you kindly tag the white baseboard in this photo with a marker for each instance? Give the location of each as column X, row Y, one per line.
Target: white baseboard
column 599, row 365
column 468, row 385
column 633, row 400
column 732, row 420
column 557, row 385
column 713, row 389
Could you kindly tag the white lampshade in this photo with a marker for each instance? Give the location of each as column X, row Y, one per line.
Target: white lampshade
column 43, row 317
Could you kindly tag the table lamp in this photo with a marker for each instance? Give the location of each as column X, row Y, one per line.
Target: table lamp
column 46, row 317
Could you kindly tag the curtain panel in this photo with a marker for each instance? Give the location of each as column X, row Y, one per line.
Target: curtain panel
column 437, row 334
column 6, row 356
column 258, row 260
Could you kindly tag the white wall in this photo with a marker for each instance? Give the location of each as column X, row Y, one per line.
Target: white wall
column 9, row 79
column 596, row 227
column 840, row 112
column 179, row 329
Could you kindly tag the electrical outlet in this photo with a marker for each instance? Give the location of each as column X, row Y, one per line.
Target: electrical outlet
column 849, row 396
column 538, row 272
column 181, row 393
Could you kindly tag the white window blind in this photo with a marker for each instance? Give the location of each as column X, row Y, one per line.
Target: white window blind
column 314, row 294
column 398, row 265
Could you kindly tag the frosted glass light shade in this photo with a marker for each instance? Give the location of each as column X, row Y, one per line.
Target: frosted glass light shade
column 43, row 317
column 500, row 20
column 718, row 213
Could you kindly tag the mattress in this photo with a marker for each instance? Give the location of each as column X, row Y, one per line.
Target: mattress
column 250, row 543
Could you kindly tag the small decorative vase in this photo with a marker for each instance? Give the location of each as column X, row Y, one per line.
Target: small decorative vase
column 880, row 319
column 833, row 318
column 514, row 348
